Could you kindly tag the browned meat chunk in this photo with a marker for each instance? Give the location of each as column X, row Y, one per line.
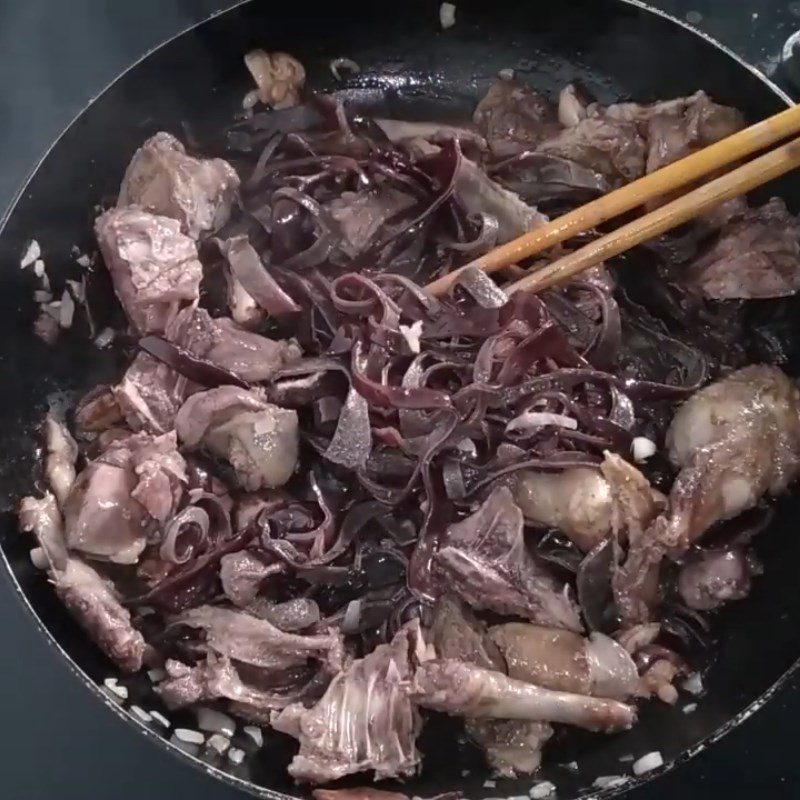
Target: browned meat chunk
column 485, row 559
column 756, row 255
column 260, row 440
column 514, row 117
column 164, row 180
column 87, row 596
column 115, row 499
column 153, row 266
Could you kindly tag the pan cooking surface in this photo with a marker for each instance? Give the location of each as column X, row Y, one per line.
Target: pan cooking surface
column 609, row 47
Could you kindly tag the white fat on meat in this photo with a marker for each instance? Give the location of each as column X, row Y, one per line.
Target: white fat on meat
column 577, row 501
column 154, row 267
column 260, row 440
column 163, row 179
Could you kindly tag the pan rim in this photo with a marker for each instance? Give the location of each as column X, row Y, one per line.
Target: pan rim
column 248, row 786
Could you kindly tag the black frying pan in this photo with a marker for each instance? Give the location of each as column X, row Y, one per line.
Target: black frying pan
column 618, row 49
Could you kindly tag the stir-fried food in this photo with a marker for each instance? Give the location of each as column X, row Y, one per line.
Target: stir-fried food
column 321, row 499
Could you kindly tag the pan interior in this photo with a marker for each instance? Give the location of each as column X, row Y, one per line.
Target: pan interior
column 618, row 51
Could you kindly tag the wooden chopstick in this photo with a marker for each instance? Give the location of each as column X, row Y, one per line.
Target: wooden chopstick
column 704, row 198
column 680, row 173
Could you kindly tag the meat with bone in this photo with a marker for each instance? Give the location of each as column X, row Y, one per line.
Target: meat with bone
column 511, row 747
column 87, row 596
column 238, row 635
column 710, row 578
column 163, row 179
column 60, row 460
column 259, row 440
column 756, row 255
column 465, row 690
column 734, row 440
column 218, row 678
column 635, row 505
column 485, row 559
column 577, row 501
column 514, row 117
column 364, row 721
column 564, row 661
column 116, row 498
column 153, row 266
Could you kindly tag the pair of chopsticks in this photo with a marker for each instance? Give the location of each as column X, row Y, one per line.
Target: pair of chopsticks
column 653, row 186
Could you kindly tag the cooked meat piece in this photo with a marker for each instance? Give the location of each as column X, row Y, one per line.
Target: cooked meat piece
column 577, row 501
column 92, row 601
column 280, row 77
column 456, row 633
column 635, row 505
column 242, row 575
column 97, row 411
column 756, row 255
column 672, row 134
column 109, row 508
column 252, row 357
column 164, row 180
column 159, row 469
column 613, row 148
column 572, row 106
column 150, row 394
column 485, row 559
column 87, row 596
column 42, row 517
column 153, row 266
column 562, row 660
column 465, row 690
column 60, row 460
column 362, row 215
column 400, row 130
column 478, row 193
column 358, row 793
column 240, row 636
column 710, row 578
column 512, row 747
column 755, row 412
column 365, row 720
column 217, row 677
column 260, row 440
column 735, row 440
column 513, row 117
